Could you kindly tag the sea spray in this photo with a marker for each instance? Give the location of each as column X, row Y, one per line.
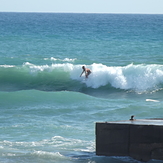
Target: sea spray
column 139, row 78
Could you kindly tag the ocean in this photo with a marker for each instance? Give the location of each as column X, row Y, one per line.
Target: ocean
column 48, row 112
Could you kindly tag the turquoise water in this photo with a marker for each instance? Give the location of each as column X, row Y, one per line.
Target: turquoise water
column 48, row 112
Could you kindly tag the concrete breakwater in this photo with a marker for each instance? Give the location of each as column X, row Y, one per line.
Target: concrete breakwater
column 141, row 139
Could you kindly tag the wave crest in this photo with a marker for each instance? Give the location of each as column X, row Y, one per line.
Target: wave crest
column 135, row 77
column 56, row 77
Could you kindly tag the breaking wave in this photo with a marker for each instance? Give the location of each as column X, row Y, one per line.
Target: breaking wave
column 66, row 76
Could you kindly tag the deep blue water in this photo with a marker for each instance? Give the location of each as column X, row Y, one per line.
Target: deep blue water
column 48, row 112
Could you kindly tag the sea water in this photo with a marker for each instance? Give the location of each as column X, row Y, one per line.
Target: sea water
column 47, row 111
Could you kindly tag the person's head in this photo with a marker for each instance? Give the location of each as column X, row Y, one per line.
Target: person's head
column 83, row 67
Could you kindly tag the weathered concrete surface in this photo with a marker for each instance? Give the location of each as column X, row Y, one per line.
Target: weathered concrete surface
column 140, row 139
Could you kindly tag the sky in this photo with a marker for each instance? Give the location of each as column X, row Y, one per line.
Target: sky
column 83, row 6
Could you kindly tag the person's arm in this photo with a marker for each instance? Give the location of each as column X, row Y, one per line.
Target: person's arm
column 82, row 73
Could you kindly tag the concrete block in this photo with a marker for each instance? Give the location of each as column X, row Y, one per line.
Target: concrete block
column 140, row 139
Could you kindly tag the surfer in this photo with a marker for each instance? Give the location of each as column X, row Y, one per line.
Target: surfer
column 86, row 70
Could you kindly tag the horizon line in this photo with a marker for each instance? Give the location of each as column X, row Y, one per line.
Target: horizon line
column 80, row 12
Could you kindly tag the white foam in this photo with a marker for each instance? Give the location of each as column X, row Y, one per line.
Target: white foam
column 134, row 77
column 6, row 66
column 48, row 154
column 152, row 100
column 62, row 60
column 69, row 60
column 140, row 78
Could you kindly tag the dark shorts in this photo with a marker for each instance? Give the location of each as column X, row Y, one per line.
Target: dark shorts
column 88, row 73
